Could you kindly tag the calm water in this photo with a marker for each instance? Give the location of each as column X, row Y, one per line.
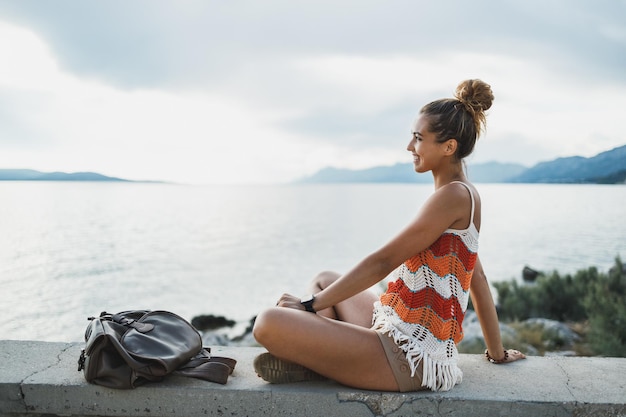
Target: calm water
column 71, row 250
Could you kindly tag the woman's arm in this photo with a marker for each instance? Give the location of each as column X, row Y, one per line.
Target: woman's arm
column 488, row 317
column 441, row 210
column 446, row 206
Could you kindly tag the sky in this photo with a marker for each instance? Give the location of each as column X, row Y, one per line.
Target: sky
column 270, row 91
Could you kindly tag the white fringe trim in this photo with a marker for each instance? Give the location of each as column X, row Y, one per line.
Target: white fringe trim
column 438, row 375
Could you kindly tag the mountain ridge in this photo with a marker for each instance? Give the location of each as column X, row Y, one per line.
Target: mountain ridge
column 608, row 167
column 33, row 175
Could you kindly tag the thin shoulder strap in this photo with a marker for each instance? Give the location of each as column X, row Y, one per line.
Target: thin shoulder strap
column 472, row 198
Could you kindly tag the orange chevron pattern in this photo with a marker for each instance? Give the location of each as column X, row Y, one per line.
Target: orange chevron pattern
column 447, row 307
column 442, row 316
column 442, row 266
column 451, row 243
column 427, row 317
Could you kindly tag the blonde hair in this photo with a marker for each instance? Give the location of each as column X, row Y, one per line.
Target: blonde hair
column 463, row 117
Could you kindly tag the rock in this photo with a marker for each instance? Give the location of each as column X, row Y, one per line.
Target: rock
column 473, row 341
column 211, row 322
column 237, row 334
column 529, row 274
column 614, row 269
column 215, row 339
column 555, row 336
column 247, row 333
column 537, row 336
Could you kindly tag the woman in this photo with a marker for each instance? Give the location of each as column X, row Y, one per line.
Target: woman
column 417, row 322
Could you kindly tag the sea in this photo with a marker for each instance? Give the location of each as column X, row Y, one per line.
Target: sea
column 69, row 250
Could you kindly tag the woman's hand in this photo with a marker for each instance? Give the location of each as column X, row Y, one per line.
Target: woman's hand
column 290, row 301
column 510, row 355
column 514, row 355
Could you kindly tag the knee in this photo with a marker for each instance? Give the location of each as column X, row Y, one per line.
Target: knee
column 324, row 279
column 265, row 326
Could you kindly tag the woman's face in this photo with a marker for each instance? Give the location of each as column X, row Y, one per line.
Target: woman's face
column 427, row 152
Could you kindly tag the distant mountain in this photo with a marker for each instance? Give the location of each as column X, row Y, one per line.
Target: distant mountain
column 601, row 168
column 395, row 173
column 494, row 171
column 615, row 178
column 487, row 172
column 32, row 175
column 605, row 168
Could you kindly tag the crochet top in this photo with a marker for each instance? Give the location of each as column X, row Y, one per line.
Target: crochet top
column 423, row 308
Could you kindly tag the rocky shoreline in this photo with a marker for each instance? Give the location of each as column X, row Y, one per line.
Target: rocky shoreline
column 535, row 336
column 548, row 314
column 221, row 331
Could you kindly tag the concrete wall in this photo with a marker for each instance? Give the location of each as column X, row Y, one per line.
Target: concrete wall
column 41, row 379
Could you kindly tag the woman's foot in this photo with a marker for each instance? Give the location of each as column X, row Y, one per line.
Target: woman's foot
column 278, row 371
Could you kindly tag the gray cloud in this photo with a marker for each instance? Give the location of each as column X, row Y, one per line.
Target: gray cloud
column 197, row 43
column 248, row 51
column 390, row 125
column 16, row 129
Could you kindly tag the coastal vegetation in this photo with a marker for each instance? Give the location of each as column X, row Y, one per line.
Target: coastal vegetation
column 590, row 302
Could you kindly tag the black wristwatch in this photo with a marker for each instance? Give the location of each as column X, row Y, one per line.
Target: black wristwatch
column 308, row 304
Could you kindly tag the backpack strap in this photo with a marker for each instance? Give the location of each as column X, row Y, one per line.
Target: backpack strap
column 209, row 368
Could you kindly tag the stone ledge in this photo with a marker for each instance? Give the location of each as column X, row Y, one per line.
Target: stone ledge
column 40, row 379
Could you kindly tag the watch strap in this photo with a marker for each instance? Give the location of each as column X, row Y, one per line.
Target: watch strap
column 308, row 304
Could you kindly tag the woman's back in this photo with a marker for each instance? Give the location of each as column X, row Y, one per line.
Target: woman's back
column 424, row 307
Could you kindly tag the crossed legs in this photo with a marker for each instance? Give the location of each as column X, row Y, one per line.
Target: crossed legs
column 337, row 342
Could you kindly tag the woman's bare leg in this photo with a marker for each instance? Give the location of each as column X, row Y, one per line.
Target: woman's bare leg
column 356, row 310
column 347, row 353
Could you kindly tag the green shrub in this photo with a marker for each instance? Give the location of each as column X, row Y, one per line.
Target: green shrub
column 587, row 295
column 605, row 305
column 551, row 296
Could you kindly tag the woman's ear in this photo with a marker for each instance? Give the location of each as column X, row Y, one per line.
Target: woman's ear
column 450, row 147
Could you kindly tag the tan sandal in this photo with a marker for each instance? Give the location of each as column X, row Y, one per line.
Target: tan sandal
column 279, row 371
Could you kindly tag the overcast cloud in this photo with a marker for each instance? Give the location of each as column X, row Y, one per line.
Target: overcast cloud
column 269, row 91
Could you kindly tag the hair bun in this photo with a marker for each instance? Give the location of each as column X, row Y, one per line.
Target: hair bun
column 476, row 95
